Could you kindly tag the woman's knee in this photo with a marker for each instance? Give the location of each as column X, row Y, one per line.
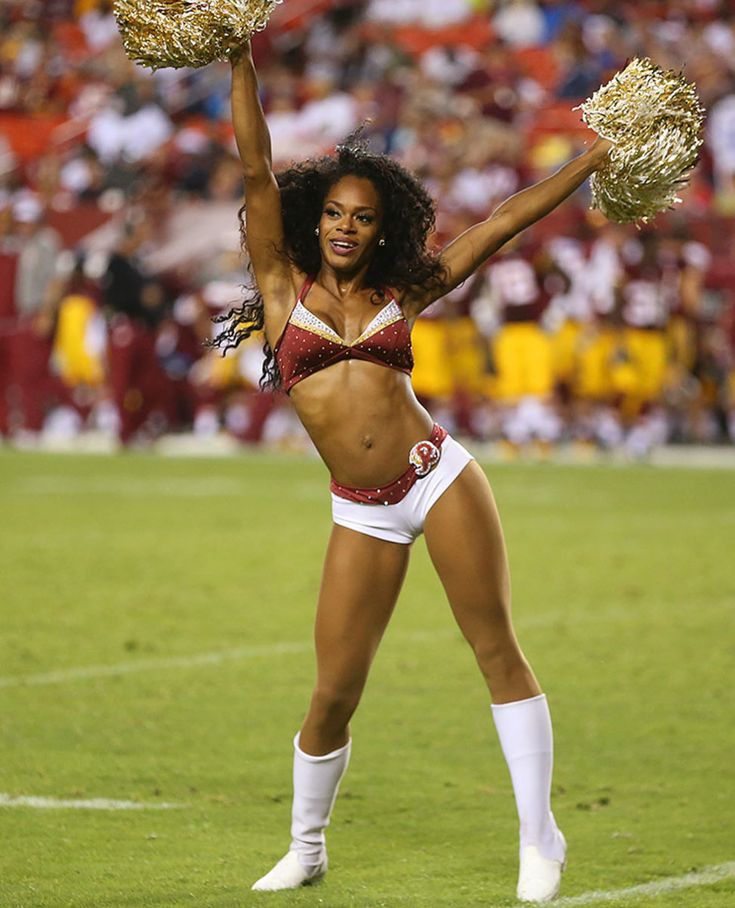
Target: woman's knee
column 498, row 655
column 335, row 703
column 506, row 671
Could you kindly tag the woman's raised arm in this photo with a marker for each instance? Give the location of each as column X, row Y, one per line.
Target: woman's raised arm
column 265, row 237
column 465, row 254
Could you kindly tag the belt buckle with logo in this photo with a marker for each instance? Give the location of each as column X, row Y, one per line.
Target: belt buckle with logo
column 423, row 457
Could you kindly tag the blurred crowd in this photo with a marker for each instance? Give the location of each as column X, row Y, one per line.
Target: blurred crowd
column 119, row 193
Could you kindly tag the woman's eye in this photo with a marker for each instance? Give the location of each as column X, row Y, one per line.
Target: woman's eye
column 366, row 219
column 331, row 212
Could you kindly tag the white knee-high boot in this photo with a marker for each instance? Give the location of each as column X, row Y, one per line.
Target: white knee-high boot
column 315, row 785
column 526, row 737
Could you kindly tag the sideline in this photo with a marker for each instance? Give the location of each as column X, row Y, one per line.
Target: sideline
column 38, row 803
column 714, row 874
column 222, row 446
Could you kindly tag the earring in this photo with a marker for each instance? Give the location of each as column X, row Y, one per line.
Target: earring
column 381, row 241
column 317, row 231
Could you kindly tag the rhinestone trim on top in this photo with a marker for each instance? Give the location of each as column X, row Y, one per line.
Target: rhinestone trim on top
column 388, row 315
column 301, row 317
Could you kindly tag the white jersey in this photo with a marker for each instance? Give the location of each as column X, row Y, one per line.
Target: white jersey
column 645, row 294
column 604, row 273
column 570, row 257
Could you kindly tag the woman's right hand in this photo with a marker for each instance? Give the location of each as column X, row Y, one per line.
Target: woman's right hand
column 240, row 53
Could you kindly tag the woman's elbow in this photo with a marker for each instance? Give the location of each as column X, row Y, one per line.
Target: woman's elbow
column 257, row 172
column 505, row 227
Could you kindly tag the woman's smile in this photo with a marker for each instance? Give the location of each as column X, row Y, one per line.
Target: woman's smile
column 343, row 246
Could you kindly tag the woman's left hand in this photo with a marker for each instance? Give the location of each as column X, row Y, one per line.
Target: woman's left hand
column 599, row 151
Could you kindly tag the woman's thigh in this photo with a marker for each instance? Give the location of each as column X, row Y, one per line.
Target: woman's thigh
column 361, row 581
column 465, row 541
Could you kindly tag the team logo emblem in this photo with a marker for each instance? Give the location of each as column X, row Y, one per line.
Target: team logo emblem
column 424, row 457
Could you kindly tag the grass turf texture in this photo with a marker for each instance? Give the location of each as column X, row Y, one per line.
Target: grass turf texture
column 624, row 593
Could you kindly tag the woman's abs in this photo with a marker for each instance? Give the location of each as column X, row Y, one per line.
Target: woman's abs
column 363, row 421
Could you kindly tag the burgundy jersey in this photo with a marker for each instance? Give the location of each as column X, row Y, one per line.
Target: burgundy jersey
column 516, row 289
column 645, row 293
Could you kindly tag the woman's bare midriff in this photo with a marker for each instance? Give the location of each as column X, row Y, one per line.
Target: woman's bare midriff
column 363, row 419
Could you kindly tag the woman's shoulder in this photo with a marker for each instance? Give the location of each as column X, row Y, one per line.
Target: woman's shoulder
column 406, row 299
column 301, row 282
column 280, row 299
column 283, row 289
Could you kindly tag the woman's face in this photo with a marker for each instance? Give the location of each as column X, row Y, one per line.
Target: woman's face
column 351, row 224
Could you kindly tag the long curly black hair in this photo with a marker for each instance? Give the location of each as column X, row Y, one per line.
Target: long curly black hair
column 408, row 219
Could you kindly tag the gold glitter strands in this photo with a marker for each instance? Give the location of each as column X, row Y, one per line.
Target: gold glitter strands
column 654, row 117
column 158, row 33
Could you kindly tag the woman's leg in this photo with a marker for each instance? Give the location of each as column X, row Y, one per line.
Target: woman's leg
column 465, row 542
column 466, row 545
column 360, row 585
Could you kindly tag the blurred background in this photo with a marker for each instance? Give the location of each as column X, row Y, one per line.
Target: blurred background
column 119, row 193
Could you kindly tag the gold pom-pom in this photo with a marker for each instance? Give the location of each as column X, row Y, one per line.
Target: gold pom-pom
column 654, row 118
column 176, row 33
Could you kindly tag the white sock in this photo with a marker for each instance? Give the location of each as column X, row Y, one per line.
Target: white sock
column 524, row 729
column 315, row 784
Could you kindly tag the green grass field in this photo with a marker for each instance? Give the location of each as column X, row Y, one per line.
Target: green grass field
column 133, row 567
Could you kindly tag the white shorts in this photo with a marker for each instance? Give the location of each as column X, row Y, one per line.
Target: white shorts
column 404, row 521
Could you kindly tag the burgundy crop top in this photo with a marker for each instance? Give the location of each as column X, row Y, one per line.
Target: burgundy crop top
column 308, row 345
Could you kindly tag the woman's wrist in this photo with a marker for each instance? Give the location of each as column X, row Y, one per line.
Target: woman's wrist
column 241, row 54
column 598, row 152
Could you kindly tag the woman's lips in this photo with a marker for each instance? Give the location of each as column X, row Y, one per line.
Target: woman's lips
column 343, row 247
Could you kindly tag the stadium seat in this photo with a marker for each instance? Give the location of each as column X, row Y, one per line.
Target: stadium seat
column 538, row 63
column 71, row 38
column 29, row 136
column 415, row 40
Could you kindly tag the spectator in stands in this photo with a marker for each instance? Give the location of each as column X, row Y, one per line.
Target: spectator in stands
column 431, row 13
column 135, row 302
column 8, row 262
column 100, row 27
column 492, row 84
column 520, row 23
column 39, row 248
column 721, row 139
column 83, row 175
column 581, row 74
column 728, row 397
column 131, row 126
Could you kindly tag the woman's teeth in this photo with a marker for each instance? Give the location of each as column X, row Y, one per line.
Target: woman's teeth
column 343, row 247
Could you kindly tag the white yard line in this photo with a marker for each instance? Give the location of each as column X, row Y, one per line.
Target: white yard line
column 706, row 877
column 134, row 666
column 143, row 665
column 7, row 800
column 263, row 650
column 190, row 487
